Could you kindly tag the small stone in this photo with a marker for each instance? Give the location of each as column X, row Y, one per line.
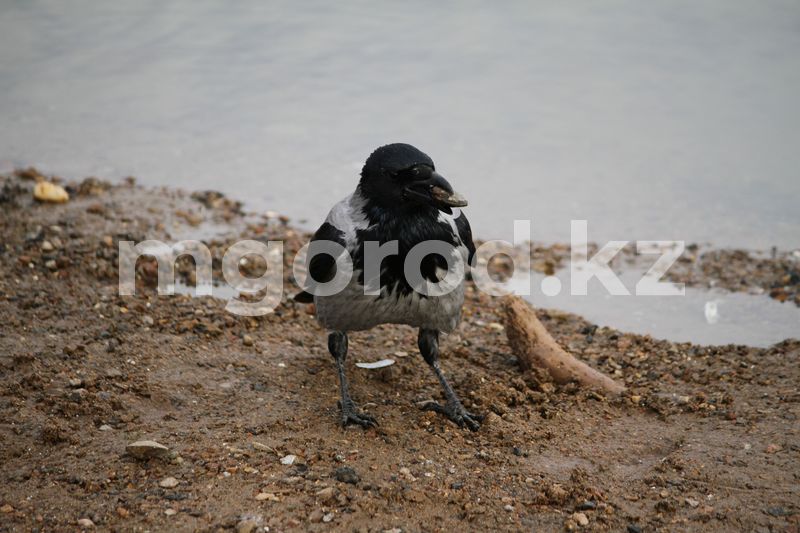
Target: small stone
column 147, row 320
column 288, row 459
column 778, row 511
column 267, row 496
column 327, row 518
column 496, row 326
column 122, row 512
column 774, row 448
column 587, row 505
column 168, row 483
column 247, row 340
column 346, row 474
column 146, row 449
column 47, row 246
column 261, row 447
column 75, row 382
column 170, row 512
column 327, row 494
column 633, row 528
column 51, row 264
column 556, row 493
column 509, row 507
column 105, row 427
column 248, row 525
column 491, row 418
column 406, row 473
column 692, row 502
column 580, row 519
column 77, row 395
column 85, row 522
column 5, row 509
column 315, row 516
column 44, row 191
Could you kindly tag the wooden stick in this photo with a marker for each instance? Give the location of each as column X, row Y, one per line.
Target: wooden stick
column 535, row 347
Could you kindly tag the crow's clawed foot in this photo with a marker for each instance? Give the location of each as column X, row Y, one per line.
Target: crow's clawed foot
column 351, row 415
column 455, row 412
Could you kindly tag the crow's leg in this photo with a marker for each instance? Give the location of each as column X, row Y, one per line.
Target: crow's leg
column 337, row 345
column 428, row 342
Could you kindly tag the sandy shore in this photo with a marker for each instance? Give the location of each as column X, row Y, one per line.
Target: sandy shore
column 705, row 439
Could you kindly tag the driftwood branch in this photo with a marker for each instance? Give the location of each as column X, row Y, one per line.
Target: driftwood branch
column 536, row 348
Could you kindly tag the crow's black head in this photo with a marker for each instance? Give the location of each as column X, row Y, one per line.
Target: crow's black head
column 399, row 175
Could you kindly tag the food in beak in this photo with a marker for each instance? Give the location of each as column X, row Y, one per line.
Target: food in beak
column 450, row 199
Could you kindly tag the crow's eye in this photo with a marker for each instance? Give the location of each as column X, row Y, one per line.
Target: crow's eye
column 418, row 172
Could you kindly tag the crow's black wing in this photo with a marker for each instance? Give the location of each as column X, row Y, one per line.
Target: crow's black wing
column 465, row 233
column 322, row 267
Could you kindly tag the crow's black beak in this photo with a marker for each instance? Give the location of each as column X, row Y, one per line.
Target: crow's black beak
column 435, row 191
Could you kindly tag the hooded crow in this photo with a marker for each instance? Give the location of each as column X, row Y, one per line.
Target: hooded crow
column 400, row 201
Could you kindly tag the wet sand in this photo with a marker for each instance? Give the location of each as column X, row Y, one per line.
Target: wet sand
column 705, row 438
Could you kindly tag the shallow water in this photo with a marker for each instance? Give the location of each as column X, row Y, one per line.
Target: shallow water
column 699, row 316
column 655, row 120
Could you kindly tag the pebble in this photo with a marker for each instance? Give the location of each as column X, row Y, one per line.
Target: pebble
column 5, row 509
column 288, row 459
column 267, row 496
column 509, row 507
column 327, row 518
column 75, row 382
column 692, row 502
column 247, row 340
column 85, row 522
column 44, row 191
column 326, row 494
column 47, row 246
column 491, row 418
column 778, row 511
column 146, row 449
column 170, row 512
column 168, row 483
column 77, row 395
column 580, row 519
column 105, row 427
column 147, row 320
column 406, row 473
column 587, row 505
column 346, row 474
column 248, row 525
column 261, row 447
column 51, row 264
